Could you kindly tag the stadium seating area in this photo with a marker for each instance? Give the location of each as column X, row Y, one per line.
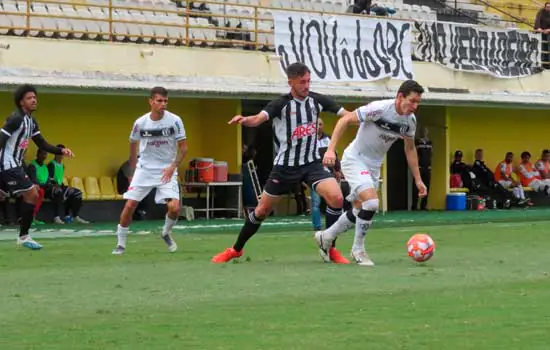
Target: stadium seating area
column 205, row 24
column 93, row 188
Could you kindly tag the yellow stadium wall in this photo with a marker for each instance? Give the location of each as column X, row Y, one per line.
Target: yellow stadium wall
column 97, row 127
column 500, row 130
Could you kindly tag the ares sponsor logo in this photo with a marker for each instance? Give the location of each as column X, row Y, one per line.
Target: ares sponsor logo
column 304, row 131
column 388, row 138
column 24, row 144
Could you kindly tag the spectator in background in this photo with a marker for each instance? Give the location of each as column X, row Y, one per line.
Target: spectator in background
column 530, row 176
column 382, row 11
column 543, row 164
column 542, row 25
column 70, row 195
column 503, row 175
column 123, row 179
column 462, row 169
column 424, row 151
column 39, row 175
column 489, row 185
column 360, row 6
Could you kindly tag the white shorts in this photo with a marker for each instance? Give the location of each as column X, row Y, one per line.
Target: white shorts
column 539, row 185
column 144, row 182
column 505, row 184
column 359, row 175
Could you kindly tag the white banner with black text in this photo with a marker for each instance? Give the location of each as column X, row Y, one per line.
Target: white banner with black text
column 344, row 48
column 502, row 53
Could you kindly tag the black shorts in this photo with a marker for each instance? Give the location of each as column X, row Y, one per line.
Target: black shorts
column 15, row 181
column 283, row 179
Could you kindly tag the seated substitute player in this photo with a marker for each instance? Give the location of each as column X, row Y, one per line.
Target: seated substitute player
column 161, row 138
column 71, row 196
column 543, row 164
column 294, row 117
column 503, row 175
column 18, row 129
column 530, row 176
column 381, row 124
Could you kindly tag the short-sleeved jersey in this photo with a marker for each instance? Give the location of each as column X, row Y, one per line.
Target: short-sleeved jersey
column 158, row 140
column 528, row 173
column 542, row 166
column 20, row 128
column 380, row 127
column 503, row 171
column 295, row 127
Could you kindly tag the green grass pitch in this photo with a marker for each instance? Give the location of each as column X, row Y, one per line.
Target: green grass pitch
column 487, row 287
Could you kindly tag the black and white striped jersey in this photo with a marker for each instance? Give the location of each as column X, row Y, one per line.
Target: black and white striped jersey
column 19, row 128
column 295, row 127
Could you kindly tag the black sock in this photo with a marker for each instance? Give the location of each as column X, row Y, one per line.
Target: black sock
column 251, row 226
column 27, row 210
column 331, row 216
column 75, row 206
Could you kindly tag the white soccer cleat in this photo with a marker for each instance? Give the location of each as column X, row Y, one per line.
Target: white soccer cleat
column 81, row 220
column 172, row 246
column 119, row 250
column 57, row 220
column 29, row 243
column 324, row 246
column 361, row 258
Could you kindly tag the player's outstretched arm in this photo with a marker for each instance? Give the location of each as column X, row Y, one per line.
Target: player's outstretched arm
column 350, row 118
column 41, row 143
column 412, row 160
column 250, row 121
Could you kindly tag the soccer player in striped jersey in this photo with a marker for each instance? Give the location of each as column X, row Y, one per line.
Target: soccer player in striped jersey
column 381, row 123
column 294, row 117
column 15, row 135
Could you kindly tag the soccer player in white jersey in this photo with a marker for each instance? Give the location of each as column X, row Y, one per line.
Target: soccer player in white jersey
column 381, row 124
column 161, row 139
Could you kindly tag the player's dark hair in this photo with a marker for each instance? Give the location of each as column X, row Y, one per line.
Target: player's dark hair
column 296, row 70
column 523, row 154
column 158, row 90
column 410, row 86
column 479, row 150
column 20, row 93
column 60, row 146
column 509, row 154
column 545, row 151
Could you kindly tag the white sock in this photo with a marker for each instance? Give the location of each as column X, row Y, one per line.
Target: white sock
column 168, row 224
column 341, row 225
column 122, row 234
column 521, row 192
column 362, row 225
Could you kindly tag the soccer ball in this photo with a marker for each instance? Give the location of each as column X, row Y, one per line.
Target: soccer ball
column 421, row 247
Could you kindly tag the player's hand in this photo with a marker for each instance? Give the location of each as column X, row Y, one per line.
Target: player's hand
column 338, row 175
column 238, row 119
column 67, row 152
column 329, row 159
column 422, row 189
column 167, row 174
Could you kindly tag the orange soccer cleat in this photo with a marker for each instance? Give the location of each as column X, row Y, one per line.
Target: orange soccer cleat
column 337, row 257
column 226, row 256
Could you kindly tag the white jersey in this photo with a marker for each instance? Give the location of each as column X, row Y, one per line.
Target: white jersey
column 158, row 141
column 380, row 127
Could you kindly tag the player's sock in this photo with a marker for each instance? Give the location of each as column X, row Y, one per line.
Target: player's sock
column 251, row 226
column 27, row 217
column 363, row 223
column 344, row 223
column 168, row 225
column 122, row 234
column 332, row 215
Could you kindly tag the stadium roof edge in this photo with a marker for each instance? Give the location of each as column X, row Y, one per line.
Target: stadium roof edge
column 196, row 89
